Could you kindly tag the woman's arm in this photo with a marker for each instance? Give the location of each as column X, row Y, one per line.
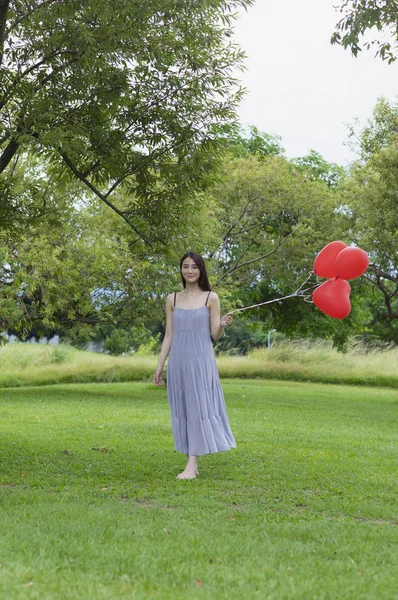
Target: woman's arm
column 166, row 345
column 169, row 332
column 216, row 324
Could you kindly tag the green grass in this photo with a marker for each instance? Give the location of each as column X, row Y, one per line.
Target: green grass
column 24, row 364
column 304, row 508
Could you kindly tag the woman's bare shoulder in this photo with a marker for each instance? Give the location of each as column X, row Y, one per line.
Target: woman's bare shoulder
column 213, row 297
column 170, row 299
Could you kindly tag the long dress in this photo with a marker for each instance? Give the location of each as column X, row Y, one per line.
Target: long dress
column 198, row 415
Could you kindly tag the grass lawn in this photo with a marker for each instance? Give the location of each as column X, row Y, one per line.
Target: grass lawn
column 304, row 508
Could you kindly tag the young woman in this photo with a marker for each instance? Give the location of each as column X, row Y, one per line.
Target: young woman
column 198, row 416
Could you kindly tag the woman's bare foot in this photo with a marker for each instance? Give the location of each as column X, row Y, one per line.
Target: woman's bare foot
column 191, row 470
column 187, row 474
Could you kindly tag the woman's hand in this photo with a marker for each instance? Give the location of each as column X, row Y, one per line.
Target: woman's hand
column 158, row 377
column 226, row 320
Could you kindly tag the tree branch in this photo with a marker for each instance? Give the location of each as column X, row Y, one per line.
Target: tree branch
column 8, row 154
column 26, row 72
column 388, row 294
column 3, row 20
column 26, row 15
column 101, row 196
column 380, row 273
column 228, row 233
column 246, row 250
column 253, row 260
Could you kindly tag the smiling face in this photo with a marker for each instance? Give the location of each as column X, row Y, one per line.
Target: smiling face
column 190, row 271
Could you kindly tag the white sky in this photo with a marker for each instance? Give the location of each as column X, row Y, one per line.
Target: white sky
column 301, row 87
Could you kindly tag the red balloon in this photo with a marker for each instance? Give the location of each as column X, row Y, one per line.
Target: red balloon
column 351, row 263
column 333, row 298
column 324, row 264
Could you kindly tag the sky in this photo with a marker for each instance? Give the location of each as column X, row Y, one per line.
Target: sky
column 301, row 87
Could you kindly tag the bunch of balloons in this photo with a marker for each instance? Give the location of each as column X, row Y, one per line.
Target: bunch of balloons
column 337, row 262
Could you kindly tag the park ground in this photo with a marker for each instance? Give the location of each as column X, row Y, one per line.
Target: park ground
column 304, row 508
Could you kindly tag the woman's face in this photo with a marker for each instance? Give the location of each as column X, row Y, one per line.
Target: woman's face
column 190, row 271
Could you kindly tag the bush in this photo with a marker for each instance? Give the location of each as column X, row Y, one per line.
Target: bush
column 117, row 342
column 152, row 346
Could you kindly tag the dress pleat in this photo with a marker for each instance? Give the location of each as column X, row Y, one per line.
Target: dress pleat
column 199, row 418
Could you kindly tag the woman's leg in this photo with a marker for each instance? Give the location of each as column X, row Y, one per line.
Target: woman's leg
column 191, row 469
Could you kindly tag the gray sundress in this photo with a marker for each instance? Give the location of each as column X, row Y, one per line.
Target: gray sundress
column 198, row 415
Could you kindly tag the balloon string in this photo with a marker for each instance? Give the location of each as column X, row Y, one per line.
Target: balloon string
column 304, row 282
column 300, row 293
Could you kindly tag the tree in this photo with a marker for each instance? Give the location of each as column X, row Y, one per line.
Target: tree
column 117, row 342
column 361, row 16
column 373, row 198
column 254, row 143
column 272, row 219
column 371, row 194
column 60, row 274
column 267, row 209
column 381, row 130
column 126, row 95
column 71, row 267
column 317, row 167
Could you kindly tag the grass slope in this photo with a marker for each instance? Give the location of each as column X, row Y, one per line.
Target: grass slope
column 304, row 508
column 24, row 364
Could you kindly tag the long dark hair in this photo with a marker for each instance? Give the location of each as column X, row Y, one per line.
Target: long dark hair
column 200, row 263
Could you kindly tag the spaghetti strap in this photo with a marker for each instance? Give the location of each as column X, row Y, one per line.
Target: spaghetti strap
column 207, row 297
column 175, row 298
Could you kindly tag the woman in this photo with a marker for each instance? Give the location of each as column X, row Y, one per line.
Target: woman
column 198, row 416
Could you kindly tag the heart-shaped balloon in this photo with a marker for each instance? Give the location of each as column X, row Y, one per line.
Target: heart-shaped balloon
column 351, row 263
column 333, row 298
column 324, row 264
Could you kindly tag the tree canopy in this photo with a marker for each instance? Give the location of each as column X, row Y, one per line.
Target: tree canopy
column 127, row 95
column 372, row 194
column 362, row 16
